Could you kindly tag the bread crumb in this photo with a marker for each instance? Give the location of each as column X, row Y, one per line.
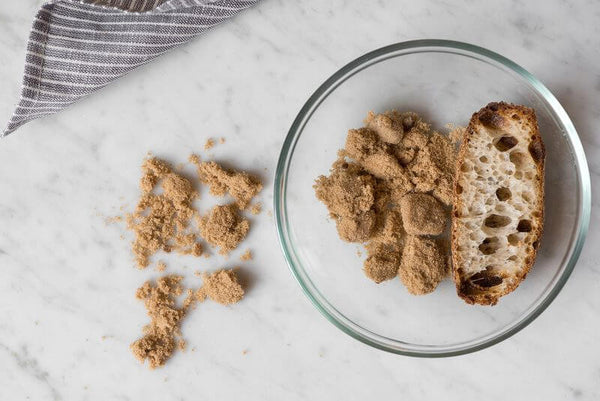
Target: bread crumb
column 246, row 256
column 210, row 143
column 161, row 266
column 161, row 335
column 239, row 184
column 256, row 208
column 422, row 214
column 245, row 352
column 221, row 140
column 223, row 227
column 222, row 287
column 423, row 265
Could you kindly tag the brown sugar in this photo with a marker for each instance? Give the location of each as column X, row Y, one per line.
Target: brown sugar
column 222, row 287
column 223, row 227
column 210, row 143
column 423, row 265
column 391, row 179
column 382, row 263
column 246, row 256
column 357, row 228
column 347, row 191
column 160, row 220
column 422, row 214
column 161, row 335
column 256, row 208
column 239, row 184
column 387, row 125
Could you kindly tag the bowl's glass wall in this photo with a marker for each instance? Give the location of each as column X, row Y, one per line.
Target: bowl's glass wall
column 443, row 87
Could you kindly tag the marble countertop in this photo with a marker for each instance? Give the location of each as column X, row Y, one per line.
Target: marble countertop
column 67, row 308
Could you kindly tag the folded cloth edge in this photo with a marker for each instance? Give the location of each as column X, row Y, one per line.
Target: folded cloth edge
column 60, row 69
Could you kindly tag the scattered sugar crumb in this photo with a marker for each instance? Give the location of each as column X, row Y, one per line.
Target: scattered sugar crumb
column 245, row 352
column 246, row 256
column 243, row 187
column 194, row 159
column 256, row 208
column 210, row 143
column 161, row 266
column 221, row 140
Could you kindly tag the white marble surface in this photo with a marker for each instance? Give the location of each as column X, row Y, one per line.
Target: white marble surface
column 67, row 311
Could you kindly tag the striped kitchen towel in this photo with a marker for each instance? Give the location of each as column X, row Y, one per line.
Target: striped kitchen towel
column 79, row 46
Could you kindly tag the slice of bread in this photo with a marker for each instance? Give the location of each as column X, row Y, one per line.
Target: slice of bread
column 498, row 206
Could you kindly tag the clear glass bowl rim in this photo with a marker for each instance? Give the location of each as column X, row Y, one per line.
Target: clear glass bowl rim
column 357, row 65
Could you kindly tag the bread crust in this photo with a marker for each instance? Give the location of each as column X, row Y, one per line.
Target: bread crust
column 496, row 116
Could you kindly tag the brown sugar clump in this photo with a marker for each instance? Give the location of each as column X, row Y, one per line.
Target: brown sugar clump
column 388, row 126
column 392, row 178
column 210, row 143
column 222, row 287
column 382, row 264
column 160, row 336
column 422, row 214
column 346, row 192
column 390, row 229
column 160, row 221
column 373, row 155
column 241, row 185
column 357, row 228
column 423, row 265
column 223, row 227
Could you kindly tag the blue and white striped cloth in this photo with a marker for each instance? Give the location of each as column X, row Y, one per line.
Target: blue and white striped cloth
column 78, row 46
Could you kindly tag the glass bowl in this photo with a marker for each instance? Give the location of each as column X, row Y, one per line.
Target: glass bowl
column 445, row 82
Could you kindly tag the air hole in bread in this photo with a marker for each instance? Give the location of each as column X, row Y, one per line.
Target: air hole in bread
column 506, row 142
column 516, row 117
column 496, row 221
column 512, row 258
column 459, row 189
column 503, row 194
column 518, row 175
column 484, row 159
column 465, row 168
column 518, row 159
column 485, row 279
column 500, row 207
column 527, row 197
column 524, row 226
column 513, row 239
column 489, row 245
